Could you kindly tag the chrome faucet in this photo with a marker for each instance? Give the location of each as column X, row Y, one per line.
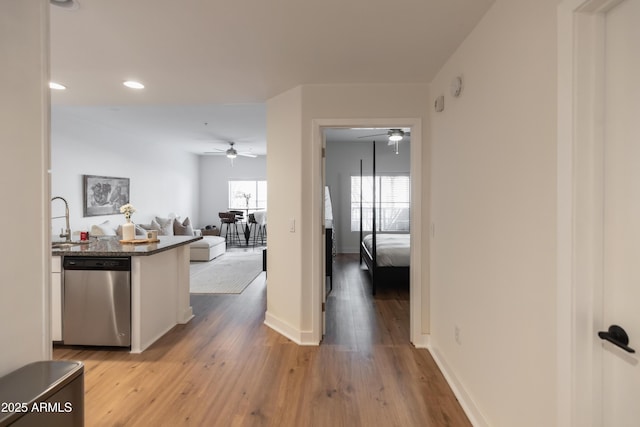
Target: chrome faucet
column 67, row 233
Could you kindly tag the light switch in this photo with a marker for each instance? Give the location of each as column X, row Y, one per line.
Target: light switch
column 292, row 225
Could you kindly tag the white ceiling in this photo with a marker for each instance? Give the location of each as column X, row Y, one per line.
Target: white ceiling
column 197, row 128
column 200, row 58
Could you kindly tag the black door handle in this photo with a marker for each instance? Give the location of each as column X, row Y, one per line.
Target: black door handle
column 617, row 336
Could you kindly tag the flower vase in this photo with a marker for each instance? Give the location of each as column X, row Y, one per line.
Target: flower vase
column 128, row 230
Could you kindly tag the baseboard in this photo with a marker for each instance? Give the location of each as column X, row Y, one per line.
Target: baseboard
column 285, row 329
column 468, row 405
column 142, row 346
column 422, row 341
column 186, row 316
column 306, row 338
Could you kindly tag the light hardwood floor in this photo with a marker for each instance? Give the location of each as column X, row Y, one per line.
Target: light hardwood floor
column 225, row 368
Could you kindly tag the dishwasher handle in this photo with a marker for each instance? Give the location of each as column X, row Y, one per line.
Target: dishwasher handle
column 97, row 263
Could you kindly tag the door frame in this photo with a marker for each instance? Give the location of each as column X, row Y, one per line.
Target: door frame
column 580, row 196
column 417, row 294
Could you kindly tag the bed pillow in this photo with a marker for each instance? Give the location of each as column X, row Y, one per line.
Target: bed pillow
column 182, row 229
column 165, row 225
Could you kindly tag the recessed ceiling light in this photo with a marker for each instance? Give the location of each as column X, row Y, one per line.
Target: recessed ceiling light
column 57, row 86
column 133, row 84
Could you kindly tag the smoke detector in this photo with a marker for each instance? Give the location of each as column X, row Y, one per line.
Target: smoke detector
column 65, row 4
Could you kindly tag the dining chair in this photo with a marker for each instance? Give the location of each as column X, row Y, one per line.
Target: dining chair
column 229, row 219
column 258, row 230
column 260, row 218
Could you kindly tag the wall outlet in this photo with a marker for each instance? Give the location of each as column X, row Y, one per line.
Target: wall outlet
column 456, row 334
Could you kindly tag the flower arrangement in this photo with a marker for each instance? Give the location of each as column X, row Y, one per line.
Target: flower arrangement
column 247, row 196
column 127, row 210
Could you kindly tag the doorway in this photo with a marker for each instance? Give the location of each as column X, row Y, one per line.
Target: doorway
column 419, row 309
column 354, row 304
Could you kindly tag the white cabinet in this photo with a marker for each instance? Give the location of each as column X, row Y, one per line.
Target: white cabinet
column 56, row 298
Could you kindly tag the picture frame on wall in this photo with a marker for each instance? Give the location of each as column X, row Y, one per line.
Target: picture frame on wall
column 103, row 195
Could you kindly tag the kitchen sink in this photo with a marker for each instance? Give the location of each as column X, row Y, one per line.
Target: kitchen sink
column 67, row 245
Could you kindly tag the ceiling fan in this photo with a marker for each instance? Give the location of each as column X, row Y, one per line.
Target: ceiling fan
column 395, row 136
column 230, row 152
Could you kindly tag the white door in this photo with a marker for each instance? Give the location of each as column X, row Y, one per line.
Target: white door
column 621, row 296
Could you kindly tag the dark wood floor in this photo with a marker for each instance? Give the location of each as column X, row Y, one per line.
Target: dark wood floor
column 225, row 368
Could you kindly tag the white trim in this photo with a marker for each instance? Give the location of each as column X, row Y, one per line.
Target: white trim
column 466, row 402
column 318, row 279
column 579, row 209
column 45, row 178
column 422, row 341
column 564, row 236
column 285, row 329
column 317, row 255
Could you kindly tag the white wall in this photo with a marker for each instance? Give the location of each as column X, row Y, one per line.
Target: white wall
column 292, row 195
column 163, row 180
column 24, row 124
column 494, row 210
column 215, row 173
column 284, row 169
column 342, row 162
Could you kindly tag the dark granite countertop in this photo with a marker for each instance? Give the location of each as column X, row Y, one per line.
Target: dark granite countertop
column 111, row 246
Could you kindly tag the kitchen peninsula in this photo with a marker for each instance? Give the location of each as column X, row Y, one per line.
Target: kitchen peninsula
column 159, row 282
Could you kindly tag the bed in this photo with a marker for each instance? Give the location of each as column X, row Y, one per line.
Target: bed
column 392, row 249
column 387, row 256
column 330, row 244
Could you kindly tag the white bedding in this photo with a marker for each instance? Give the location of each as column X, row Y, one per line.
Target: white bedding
column 393, row 249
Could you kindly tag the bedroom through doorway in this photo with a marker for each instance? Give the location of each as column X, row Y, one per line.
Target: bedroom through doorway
column 367, row 303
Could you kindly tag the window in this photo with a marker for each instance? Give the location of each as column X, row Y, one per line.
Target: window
column 393, row 199
column 248, row 195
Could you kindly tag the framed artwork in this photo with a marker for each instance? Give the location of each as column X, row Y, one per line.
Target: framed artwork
column 103, row 195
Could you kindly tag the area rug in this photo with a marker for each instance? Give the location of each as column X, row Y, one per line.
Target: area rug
column 230, row 273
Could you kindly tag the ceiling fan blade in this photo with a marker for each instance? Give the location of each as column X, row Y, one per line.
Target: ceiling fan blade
column 369, row 136
column 247, row 155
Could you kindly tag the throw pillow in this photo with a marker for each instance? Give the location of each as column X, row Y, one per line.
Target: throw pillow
column 141, row 229
column 182, row 229
column 166, row 226
column 153, row 226
column 104, row 229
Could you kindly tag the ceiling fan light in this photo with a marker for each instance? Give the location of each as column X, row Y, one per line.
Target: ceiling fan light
column 395, row 135
column 232, row 153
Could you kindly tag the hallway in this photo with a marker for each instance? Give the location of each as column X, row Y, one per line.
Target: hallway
column 225, row 368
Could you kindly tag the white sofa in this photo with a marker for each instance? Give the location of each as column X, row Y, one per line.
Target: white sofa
column 206, row 249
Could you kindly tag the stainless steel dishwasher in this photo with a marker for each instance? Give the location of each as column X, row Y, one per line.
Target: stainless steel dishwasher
column 96, row 301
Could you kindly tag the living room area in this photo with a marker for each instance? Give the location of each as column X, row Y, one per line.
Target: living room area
column 190, row 181
column 169, row 170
